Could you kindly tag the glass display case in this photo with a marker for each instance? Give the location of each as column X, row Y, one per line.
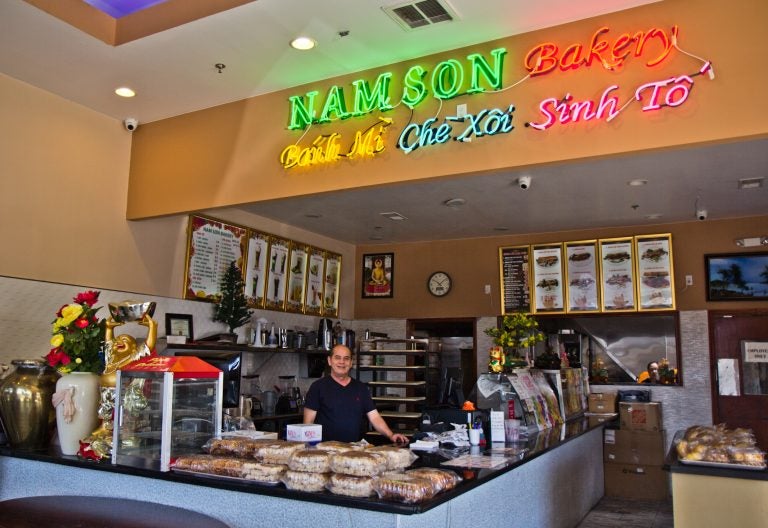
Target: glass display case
column 165, row 407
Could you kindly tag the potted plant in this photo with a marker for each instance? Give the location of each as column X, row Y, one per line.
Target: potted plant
column 232, row 306
column 517, row 331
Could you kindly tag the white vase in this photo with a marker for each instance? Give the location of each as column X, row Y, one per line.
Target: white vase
column 84, row 390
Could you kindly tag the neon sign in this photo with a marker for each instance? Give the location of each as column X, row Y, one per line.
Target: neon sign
column 327, row 148
column 545, row 57
column 484, row 123
column 671, row 92
column 446, row 81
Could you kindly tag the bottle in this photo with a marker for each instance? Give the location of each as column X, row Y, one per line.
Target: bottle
column 272, row 339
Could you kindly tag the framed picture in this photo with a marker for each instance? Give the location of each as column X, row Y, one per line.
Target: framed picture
column 331, row 284
column 211, row 246
column 655, row 272
column 617, row 274
column 378, row 275
column 277, row 273
column 737, row 276
column 313, row 294
column 297, row 278
column 515, row 277
column 256, row 268
column 582, row 276
column 548, row 278
column 179, row 325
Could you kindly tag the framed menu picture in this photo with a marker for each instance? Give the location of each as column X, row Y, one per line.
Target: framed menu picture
column 617, row 275
column 655, row 274
column 297, row 278
column 548, row 278
column 331, row 284
column 313, row 294
column 277, row 273
column 515, row 275
column 211, row 246
column 582, row 276
column 256, row 268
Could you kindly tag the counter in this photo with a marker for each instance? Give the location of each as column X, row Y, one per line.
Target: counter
column 704, row 496
column 554, row 484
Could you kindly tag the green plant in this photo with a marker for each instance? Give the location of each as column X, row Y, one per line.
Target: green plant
column 518, row 330
column 232, row 306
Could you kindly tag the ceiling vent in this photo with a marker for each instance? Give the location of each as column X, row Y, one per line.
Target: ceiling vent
column 414, row 15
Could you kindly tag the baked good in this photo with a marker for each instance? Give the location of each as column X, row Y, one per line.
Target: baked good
column 719, row 444
column 338, row 447
column 311, row 460
column 277, row 451
column 401, row 487
column 303, row 481
column 441, row 479
column 234, row 446
column 358, row 463
column 350, row 486
column 270, row 473
column 196, row 463
column 397, row 457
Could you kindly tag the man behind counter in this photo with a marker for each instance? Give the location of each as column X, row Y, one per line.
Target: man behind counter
column 338, row 403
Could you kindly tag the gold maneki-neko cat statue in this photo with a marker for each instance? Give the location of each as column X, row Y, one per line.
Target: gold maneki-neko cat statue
column 119, row 351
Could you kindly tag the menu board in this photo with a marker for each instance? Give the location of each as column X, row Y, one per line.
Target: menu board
column 582, row 276
column 211, row 246
column 514, row 270
column 313, row 295
column 548, row 279
column 618, row 279
column 277, row 273
column 655, row 279
column 297, row 278
column 331, row 284
column 256, row 269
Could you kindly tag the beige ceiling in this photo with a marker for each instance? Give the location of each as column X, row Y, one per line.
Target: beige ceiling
column 173, row 70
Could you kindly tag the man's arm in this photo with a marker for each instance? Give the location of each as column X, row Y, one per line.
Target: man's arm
column 381, row 426
column 309, row 416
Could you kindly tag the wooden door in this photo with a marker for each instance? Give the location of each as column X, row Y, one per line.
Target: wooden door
column 739, row 360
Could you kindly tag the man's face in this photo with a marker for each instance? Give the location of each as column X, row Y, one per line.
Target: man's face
column 340, row 362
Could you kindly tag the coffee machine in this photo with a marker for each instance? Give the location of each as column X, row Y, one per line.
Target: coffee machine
column 325, row 335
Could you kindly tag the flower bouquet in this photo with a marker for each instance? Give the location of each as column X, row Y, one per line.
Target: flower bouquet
column 78, row 336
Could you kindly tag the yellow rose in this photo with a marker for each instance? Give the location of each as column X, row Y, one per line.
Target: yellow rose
column 57, row 340
column 68, row 314
column 78, row 360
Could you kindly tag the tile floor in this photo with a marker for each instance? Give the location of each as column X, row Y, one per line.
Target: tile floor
column 612, row 512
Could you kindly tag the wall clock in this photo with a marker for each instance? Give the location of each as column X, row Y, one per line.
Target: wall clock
column 439, row 283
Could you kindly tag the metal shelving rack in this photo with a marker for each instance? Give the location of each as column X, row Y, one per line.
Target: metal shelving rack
column 404, row 379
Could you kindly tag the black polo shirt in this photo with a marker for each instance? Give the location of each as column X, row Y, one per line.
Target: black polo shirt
column 340, row 410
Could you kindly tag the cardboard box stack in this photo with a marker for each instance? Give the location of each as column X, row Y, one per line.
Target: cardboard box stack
column 602, row 407
column 634, row 454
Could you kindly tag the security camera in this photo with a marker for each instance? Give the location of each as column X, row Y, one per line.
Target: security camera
column 701, row 214
column 130, row 124
column 524, row 182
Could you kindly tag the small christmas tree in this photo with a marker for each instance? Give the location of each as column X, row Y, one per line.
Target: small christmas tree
column 232, row 308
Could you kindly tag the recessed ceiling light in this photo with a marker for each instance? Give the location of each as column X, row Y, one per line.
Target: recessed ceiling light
column 124, row 91
column 377, row 236
column 653, row 216
column 751, row 183
column 393, row 215
column 501, row 228
column 637, row 183
column 313, row 215
column 454, row 202
column 303, row 43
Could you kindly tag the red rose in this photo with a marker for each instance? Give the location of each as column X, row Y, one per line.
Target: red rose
column 89, row 297
column 58, row 314
column 56, row 356
column 81, row 323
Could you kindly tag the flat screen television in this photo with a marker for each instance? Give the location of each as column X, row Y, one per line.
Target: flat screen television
column 229, row 363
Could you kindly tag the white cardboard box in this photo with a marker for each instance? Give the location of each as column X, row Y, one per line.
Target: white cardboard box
column 304, row 432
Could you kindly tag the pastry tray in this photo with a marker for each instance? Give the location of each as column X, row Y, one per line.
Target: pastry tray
column 724, row 465
column 225, row 477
